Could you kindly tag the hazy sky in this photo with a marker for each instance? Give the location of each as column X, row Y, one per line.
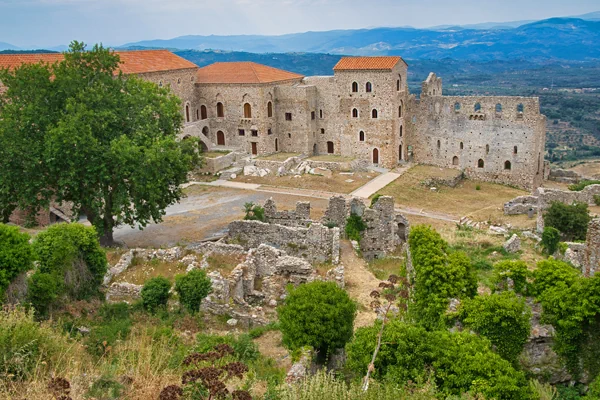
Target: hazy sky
column 48, row 23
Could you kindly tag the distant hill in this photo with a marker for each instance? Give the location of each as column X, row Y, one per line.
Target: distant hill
column 556, row 38
column 7, row 46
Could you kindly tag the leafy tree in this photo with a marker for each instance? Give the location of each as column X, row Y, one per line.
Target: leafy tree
column 514, row 270
column 354, row 226
column 438, row 276
column 16, row 255
column 571, row 220
column 458, row 362
column 155, row 293
column 79, row 131
column 503, row 318
column 317, row 314
column 550, row 239
column 254, row 212
column 192, row 288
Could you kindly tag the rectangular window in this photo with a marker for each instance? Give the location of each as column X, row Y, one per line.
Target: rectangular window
column 270, row 131
column 312, row 115
column 321, row 114
column 288, row 116
column 254, row 132
column 241, row 132
column 322, row 130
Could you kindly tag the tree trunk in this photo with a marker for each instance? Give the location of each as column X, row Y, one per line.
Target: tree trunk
column 371, row 367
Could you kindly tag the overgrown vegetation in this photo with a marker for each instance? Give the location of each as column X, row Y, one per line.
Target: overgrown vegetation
column 550, row 239
column 570, row 220
column 192, row 288
column 254, row 212
column 16, row 256
column 578, row 187
column 155, row 293
column 354, row 226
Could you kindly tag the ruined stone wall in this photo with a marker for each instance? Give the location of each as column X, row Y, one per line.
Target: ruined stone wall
column 316, row 244
column 451, row 132
column 299, row 217
column 386, row 229
column 214, row 165
column 592, row 250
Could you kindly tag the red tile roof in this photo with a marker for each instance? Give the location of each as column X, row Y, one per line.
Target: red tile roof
column 367, row 63
column 132, row 62
column 243, row 72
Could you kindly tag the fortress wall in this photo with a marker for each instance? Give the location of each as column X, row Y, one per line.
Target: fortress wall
column 299, row 134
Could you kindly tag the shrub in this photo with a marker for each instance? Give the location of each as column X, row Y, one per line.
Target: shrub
column 511, row 269
column 550, row 239
column 254, row 212
column 578, row 187
column 503, row 318
column 478, row 187
column 457, row 362
column 72, row 253
column 354, row 226
column 155, row 293
column 42, row 291
column 192, row 288
column 438, row 276
column 105, row 388
column 571, row 220
column 16, row 255
column 317, row 314
column 597, row 200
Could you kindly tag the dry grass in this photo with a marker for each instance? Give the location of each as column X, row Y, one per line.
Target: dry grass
column 589, row 169
column 278, row 156
column 336, row 184
column 384, row 267
column 140, row 271
column 331, row 158
column 215, row 154
column 463, row 200
column 224, row 263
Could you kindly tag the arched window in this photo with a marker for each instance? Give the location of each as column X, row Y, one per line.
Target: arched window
column 220, row 110
column 205, row 131
column 375, row 156
column 400, row 152
column 454, row 160
column 439, row 144
column 480, row 163
column 456, row 106
column 487, row 148
column 400, row 111
column 269, row 109
column 462, row 146
column 398, row 85
column 401, row 133
column 368, row 87
column 507, row 165
column 330, row 147
column 203, row 112
column 247, row 110
column 187, row 113
column 521, row 108
column 276, row 145
column 220, row 138
column 477, row 107
column 321, row 114
column 354, row 87
column 498, row 108
column 354, row 113
column 515, row 150
column 361, row 136
column 374, row 113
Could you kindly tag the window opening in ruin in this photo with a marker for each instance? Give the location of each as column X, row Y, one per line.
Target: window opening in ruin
column 276, row 145
column 455, row 160
column 361, row 136
column 354, row 113
column 197, row 114
column 462, row 146
column 487, row 148
column 269, row 131
column 187, row 113
column 520, row 108
column 515, row 150
column 160, row 84
column 538, row 166
column 220, row 138
column 254, row 132
column 247, row 110
column 205, row 131
column 398, row 85
column 374, row 113
column 241, row 132
column 288, row 116
column 507, row 165
column 321, row 114
column 439, row 144
column 203, row 112
column 322, row 131
column 400, row 111
column 480, row 163
column 401, row 131
column 354, row 87
column 315, row 149
column 330, row 147
column 289, row 135
column 402, row 232
column 313, row 115
column 368, row 87
column 400, row 153
column 498, row 108
column 456, row 106
column 375, row 156
column 220, row 110
column 269, row 109
column 477, row 107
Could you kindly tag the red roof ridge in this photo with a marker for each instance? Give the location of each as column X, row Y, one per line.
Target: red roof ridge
column 367, row 63
column 243, row 72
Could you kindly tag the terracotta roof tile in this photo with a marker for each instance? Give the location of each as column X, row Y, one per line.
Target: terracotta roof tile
column 132, row 62
column 367, row 63
column 243, row 72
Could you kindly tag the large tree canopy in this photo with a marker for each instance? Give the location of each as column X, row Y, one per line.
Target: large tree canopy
column 80, row 131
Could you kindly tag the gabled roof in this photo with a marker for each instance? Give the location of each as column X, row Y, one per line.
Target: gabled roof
column 243, row 73
column 367, row 63
column 132, row 62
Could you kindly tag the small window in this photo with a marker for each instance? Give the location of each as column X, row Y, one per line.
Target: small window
column 160, row 84
column 322, row 131
column 187, row 113
column 354, row 113
column 401, row 131
column 197, row 114
column 288, row 116
column 368, row 87
column 203, row 112
column 220, row 138
column 398, row 85
column 361, row 136
column 480, row 163
column 487, row 149
column 321, row 114
column 498, row 108
column 455, row 160
column 179, row 81
column 374, row 113
column 220, row 110
column 313, row 115
column 254, row 132
column 439, row 144
column 269, row 109
column 354, row 87
column 507, row 165
column 477, row 107
column 269, row 131
column 289, row 135
column 400, row 111
column 521, row 108
column 462, row 146
column 515, row 150
column 247, row 110
column 241, row 132
column 456, row 106
column 330, row 148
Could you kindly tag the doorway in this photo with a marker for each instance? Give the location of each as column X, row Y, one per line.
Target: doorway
column 220, row 138
column 254, row 148
column 375, row 156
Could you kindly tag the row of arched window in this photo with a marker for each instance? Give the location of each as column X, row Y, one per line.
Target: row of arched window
column 477, row 107
column 368, row 87
column 374, row 113
column 481, row 163
column 202, row 112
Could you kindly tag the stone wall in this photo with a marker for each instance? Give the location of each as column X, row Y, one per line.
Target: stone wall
column 386, row 229
column 521, row 205
column 214, row 165
column 297, row 218
column 564, row 175
column 592, row 251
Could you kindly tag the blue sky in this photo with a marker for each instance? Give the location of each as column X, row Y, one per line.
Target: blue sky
column 46, row 23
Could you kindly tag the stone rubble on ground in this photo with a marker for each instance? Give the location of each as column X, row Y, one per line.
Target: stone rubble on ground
column 513, row 244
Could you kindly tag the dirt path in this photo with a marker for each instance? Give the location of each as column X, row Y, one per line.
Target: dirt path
column 360, row 282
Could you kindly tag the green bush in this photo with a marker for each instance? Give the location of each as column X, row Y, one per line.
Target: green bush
column 578, row 187
column 105, row 388
column 597, row 200
column 317, row 314
column 155, row 293
column 42, row 291
column 354, row 226
column 503, row 318
column 113, row 324
column 72, row 253
column 457, row 362
column 550, row 239
column 594, row 389
column 571, row 220
column 438, row 276
column 514, row 270
column 254, row 212
column 16, row 255
column 477, row 187
column 192, row 288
